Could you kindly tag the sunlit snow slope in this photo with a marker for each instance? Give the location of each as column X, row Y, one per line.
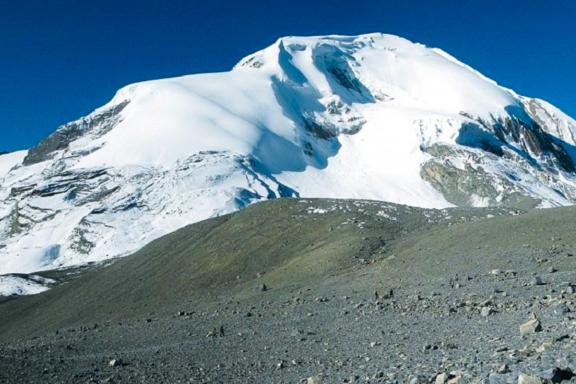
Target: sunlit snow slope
column 374, row 116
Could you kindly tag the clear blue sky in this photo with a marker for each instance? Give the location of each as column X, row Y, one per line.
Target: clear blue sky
column 59, row 59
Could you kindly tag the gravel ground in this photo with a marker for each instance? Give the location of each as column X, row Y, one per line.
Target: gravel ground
column 478, row 300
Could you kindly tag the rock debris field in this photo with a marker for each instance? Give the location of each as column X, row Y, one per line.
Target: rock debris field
column 314, row 291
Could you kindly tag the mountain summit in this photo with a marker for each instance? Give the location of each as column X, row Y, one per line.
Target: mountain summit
column 371, row 117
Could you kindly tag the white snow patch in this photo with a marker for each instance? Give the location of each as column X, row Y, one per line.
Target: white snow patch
column 10, row 160
column 11, row 285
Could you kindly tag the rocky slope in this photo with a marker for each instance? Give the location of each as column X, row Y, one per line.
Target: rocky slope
column 320, row 291
column 373, row 116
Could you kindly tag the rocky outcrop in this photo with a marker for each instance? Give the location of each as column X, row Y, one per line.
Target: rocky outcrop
column 96, row 124
column 497, row 161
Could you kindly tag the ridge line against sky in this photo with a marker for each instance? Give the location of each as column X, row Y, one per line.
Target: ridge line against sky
column 60, row 59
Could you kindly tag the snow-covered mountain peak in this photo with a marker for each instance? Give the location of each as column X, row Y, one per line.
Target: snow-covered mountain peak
column 389, row 67
column 372, row 116
column 295, row 77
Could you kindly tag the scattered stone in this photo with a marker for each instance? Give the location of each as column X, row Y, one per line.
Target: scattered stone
column 542, row 348
column 115, row 363
column 262, row 287
column 528, row 379
column 503, row 369
column 558, row 375
column 313, row 380
column 486, row 311
column 216, row 332
column 531, row 326
column 441, row 378
column 418, row 379
column 455, row 378
column 536, row 280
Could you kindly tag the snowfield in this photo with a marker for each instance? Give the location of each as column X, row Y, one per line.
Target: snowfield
column 10, row 160
column 12, row 285
column 367, row 117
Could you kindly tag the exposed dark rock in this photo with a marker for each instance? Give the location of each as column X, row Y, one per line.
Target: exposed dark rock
column 98, row 124
column 318, row 130
column 262, row 287
column 558, row 375
column 529, row 138
column 16, row 191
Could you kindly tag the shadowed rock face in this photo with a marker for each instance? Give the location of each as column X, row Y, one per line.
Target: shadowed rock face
column 523, row 135
column 534, row 140
column 464, row 174
column 98, row 125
